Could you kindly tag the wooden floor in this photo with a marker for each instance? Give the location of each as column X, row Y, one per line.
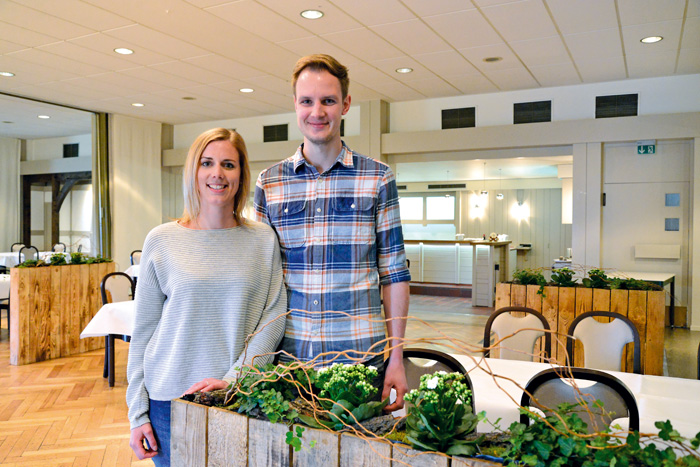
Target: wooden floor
column 62, row 412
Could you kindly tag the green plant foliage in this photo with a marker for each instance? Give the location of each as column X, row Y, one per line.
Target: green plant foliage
column 32, row 263
column 346, row 392
column 597, row 279
column 440, row 415
column 563, row 277
column 529, row 277
column 293, row 438
column 57, row 259
column 560, row 440
column 270, row 389
column 78, row 258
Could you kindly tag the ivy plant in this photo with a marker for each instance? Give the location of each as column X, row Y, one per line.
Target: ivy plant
column 268, row 389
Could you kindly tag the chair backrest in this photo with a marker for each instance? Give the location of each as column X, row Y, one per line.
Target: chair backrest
column 555, row 386
column 28, row 254
column 60, row 247
column 16, row 247
column 136, row 257
column 419, row 362
column 80, row 248
column 521, row 346
column 603, row 343
column 120, row 287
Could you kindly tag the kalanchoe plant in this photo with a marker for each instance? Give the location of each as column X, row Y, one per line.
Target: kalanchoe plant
column 563, row 277
column 347, row 393
column 440, row 415
column 597, row 279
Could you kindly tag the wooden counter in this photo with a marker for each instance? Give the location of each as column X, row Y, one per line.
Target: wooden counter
column 50, row 306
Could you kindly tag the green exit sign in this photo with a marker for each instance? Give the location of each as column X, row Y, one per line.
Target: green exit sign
column 646, row 149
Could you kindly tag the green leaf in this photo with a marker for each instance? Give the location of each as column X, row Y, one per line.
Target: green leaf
column 462, row 448
column 566, row 445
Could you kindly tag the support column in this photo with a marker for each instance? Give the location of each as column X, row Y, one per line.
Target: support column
column 693, row 312
column 586, row 230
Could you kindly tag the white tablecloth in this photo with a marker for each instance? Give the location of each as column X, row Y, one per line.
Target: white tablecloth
column 4, row 286
column 658, row 397
column 8, row 259
column 133, row 271
column 113, row 318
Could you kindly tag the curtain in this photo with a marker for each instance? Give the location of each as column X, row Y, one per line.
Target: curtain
column 9, row 193
column 135, row 183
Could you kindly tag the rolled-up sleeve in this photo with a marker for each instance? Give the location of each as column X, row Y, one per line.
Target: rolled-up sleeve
column 391, row 255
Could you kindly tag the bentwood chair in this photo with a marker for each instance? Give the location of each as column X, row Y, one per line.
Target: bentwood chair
column 16, row 247
column 26, row 251
column 115, row 287
column 554, row 386
column 60, row 247
column 525, row 332
column 603, row 343
column 135, row 257
column 419, row 362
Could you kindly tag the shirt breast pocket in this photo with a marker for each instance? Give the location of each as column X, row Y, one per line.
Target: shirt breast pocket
column 289, row 219
column 352, row 220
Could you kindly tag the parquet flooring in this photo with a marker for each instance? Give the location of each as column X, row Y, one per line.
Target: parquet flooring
column 62, row 412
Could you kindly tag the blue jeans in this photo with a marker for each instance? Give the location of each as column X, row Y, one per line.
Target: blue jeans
column 159, row 413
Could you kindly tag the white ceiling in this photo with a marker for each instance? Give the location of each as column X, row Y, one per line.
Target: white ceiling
column 62, row 50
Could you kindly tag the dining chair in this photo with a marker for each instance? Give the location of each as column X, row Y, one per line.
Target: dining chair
column 16, row 247
column 523, row 331
column 603, row 343
column 5, row 305
column 114, row 287
column 59, row 247
column 135, row 257
column 80, row 248
column 28, row 250
column 419, row 362
column 554, row 386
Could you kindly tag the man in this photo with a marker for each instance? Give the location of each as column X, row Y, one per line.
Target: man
column 336, row 214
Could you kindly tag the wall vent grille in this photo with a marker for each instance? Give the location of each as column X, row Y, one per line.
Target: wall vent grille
column 532, row 112
column 459, row 118
column 446, row 186
column 622, row 105
column 275, row 133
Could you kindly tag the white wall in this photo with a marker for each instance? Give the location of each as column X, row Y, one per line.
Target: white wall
column 9, row 192
column 673, row 94
column 52, row 148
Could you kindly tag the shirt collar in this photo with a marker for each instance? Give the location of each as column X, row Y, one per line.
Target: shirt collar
column 344, row 158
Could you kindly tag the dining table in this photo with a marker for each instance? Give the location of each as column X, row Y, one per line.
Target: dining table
column 133, row 271
column 113, row 321
column 4, row 286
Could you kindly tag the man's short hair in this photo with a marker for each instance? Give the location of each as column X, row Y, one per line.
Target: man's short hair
column 318, row 62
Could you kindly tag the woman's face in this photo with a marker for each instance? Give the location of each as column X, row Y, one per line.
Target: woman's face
column 218, row 175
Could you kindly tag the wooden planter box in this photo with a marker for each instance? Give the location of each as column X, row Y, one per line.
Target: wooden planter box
column 208, row 436
column 560, row 305
column 50, row 306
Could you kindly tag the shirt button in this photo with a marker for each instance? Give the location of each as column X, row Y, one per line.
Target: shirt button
column 286, row 210
column 315, row 302
column 352, row 205
column 318, row 209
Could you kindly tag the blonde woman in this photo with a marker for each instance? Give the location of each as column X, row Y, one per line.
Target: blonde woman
column 207, row 281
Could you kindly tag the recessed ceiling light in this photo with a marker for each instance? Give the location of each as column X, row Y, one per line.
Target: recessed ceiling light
column 7, row 121
column 493, row 59
column 246, row 90
column 311, row 14
column 137, row 104
column 189, row 98
column 123, row 51
column 404, row 70
column 651, row 39
column 6, row 74
column 43, row 116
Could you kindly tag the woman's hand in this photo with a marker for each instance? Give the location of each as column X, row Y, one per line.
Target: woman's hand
column 140, row 433
column 206, row 385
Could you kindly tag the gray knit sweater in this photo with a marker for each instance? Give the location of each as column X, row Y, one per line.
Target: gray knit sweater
column 200, row 293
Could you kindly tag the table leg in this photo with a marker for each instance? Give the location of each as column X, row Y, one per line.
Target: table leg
column 110, row 355
column 105, row 370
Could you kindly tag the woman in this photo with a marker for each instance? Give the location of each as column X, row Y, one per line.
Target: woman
column 207, row 281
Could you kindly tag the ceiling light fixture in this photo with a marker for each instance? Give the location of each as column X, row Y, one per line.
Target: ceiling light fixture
column 493, row 59
column 499, row 195
column 7, row 74
column 311, row 14
column 404, row 70
column 43, row 117
column 247, row 90
column 189, row 98
column 123, row 51
column 651, row 39
column 137, row 104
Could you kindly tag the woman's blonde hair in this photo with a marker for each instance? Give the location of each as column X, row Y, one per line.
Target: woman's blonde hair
column 189, row 175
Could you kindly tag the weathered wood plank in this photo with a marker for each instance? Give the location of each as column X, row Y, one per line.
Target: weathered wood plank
column 654, row 350
column 518, row 295
column 188, row 434
column 402, row 455
column 549, row 310
column 467, row 462
column 55, row 342
column 637, row 313
column 502, row 295
column 356, row 451
column 584, row 303
column 601, row 302
column 534, row 299
column 567, row 313
column 266, row 443
column 228, row 438
column 325, row 452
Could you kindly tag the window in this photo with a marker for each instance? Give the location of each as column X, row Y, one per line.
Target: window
column 411, row 209
column 673, row 199
column 429, row 216
column 441, row 208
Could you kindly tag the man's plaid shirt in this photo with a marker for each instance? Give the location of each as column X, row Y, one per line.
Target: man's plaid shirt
column 340, row 236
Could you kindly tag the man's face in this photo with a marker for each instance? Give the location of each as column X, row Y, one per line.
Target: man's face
column 320, row 106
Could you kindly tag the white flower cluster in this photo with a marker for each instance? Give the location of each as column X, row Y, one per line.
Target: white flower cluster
column 440, row 386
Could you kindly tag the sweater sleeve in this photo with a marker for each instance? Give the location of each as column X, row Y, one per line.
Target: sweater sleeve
column 149, row 308
column 270, row 329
